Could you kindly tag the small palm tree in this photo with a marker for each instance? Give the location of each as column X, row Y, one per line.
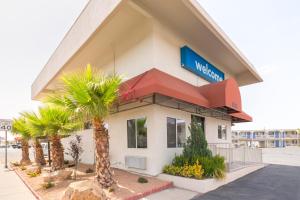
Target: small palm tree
column 53, row 122
column 36, row 130
column 20, row 127
column 92, row 95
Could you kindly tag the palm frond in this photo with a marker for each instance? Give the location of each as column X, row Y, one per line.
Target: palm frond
column 89, row 93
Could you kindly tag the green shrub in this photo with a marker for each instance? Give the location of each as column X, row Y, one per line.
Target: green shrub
column 66, row 162
column 47, row 185
column 89, row 170
column 196, row 144
column 32, row 174
column 172, row 169
column 142, row 180
column 195, row 154
column 180, row 161
column 16, row 164
column 190, row 171
column 212, row 166
column 71, row 165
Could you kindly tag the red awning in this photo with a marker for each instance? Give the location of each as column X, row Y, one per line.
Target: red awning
column 222, row 95
column 241, row 117
column 155, row 81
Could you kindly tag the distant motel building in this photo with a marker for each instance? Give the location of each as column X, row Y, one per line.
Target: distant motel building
column 266, row 138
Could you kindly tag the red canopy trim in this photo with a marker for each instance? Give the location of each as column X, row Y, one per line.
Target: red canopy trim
column 241, row 117
column 224, row 94
column 155, row 81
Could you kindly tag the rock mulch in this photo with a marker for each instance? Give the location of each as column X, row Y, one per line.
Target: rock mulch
column 127, row 186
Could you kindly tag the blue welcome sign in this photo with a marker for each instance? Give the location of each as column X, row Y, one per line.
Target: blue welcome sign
column 193, row 62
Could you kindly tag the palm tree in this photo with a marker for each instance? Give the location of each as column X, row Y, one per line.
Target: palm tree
column 53, row 122
column 20, row 127
column 57, row 122
column 92, row 95
column 36, row 130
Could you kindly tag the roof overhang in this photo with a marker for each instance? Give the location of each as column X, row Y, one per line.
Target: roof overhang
column 187, row 18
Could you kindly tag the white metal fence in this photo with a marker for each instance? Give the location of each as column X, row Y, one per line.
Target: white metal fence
column 236, row 157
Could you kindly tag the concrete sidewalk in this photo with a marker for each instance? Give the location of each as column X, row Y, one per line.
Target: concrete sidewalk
column 12, row 187
column 172, row 194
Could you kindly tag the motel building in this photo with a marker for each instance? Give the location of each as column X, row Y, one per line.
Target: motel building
column 178, row 66
column 266, row 138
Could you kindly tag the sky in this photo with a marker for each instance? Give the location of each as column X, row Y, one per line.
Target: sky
column 267, row 32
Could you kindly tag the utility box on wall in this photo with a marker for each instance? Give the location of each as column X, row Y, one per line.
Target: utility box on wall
column 137, row 162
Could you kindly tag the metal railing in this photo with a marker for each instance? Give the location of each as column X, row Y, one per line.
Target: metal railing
column 236, row 157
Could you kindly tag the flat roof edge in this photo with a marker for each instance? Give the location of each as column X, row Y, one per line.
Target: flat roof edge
column 37, row 87
column 197, row 9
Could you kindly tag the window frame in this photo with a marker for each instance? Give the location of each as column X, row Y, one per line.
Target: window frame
column 225, row 128
column 136, row 133
column 176, row 132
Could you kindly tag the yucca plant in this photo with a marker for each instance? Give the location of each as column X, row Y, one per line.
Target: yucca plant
column 92, row 95
column 36, row 130
column 20, row 127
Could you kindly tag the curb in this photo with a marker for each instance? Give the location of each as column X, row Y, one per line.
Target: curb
column 154, row 190
column 35, row 194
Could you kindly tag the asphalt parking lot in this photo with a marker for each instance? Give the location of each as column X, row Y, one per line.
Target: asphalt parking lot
column 274, row 182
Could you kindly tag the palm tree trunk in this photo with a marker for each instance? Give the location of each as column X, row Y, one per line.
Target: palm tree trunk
column 57, row 153
column 25, row 153
column 39, row 154
column 104, row 173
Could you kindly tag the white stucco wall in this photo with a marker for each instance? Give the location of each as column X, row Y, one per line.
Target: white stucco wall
column 156, row 153
column 87, row 144
column 150, row 45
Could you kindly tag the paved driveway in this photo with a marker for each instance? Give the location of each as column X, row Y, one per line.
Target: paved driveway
column 274, row 182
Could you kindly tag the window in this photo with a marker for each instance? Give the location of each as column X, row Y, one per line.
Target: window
column 222, row 132
column 176, row 136
column 137, row 133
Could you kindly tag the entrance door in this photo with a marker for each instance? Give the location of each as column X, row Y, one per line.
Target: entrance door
column 199, row 120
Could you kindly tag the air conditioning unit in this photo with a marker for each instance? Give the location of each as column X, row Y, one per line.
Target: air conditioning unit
column 137, row 162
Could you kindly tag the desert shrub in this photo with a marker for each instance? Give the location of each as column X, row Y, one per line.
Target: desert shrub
column 16, row 164
column 75, row 150
column 32, row 174
column 89, row 170
column 142, row 180
column 190, row 171
column 71, row 165
column 66, row 162
column 47, row 185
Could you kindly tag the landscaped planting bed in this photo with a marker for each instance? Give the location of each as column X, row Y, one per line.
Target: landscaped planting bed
column 127, row 187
